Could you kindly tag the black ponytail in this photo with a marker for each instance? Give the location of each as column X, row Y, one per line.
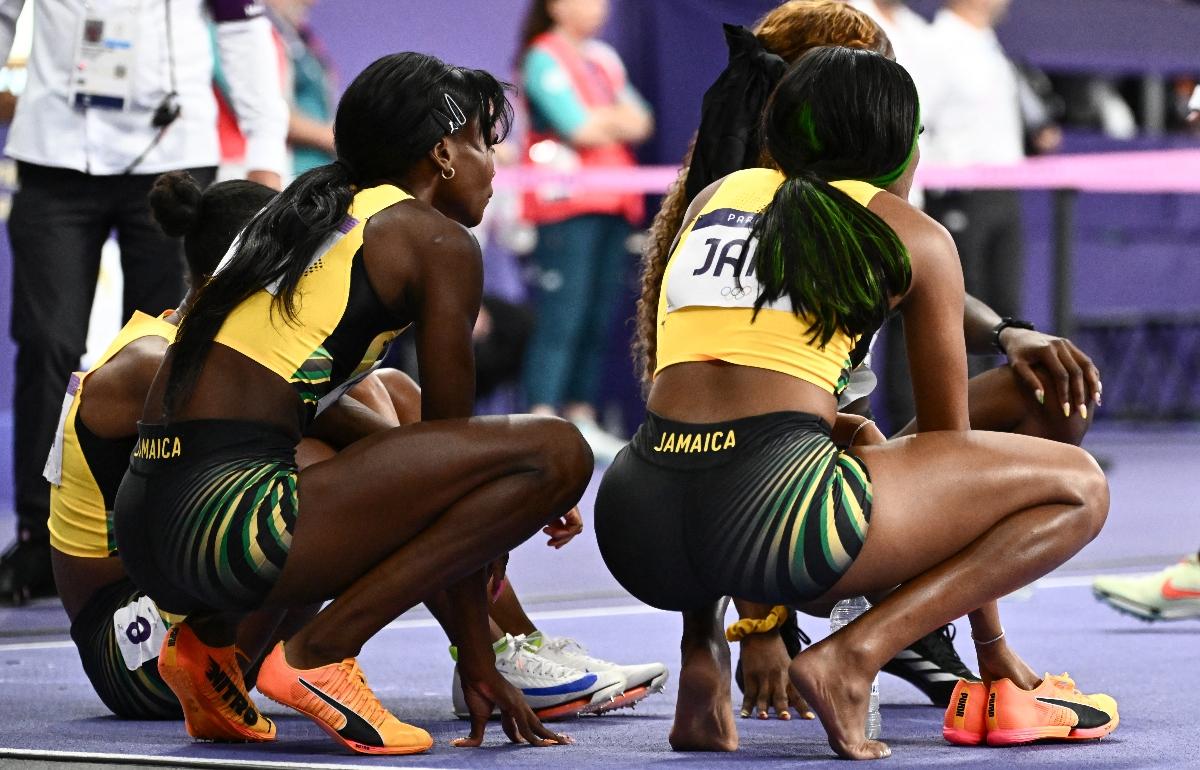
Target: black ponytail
column 838, row 114
column 388, row 119
column 730, row 115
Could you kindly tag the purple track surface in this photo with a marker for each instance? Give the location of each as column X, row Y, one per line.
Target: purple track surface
column 46, row 704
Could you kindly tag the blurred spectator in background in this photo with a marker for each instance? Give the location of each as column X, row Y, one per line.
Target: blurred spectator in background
column 976, row 109
column 117, row 94
column 583, row 113
column 308, row 84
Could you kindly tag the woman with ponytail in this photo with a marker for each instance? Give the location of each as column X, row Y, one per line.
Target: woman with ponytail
column 737, row 485
column 215, row 520
column 114, row 625
column 1018, row 398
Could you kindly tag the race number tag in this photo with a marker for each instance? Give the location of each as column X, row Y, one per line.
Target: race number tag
column 53, row 470
column 714, row 266
column 140, row 631
column 104, row 56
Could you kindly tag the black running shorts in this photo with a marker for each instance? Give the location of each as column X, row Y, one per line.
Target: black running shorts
column 764, row 508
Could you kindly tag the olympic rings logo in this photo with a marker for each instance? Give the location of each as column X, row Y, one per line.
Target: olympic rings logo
column 734, row 292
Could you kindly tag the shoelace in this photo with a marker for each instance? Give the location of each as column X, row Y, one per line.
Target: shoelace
column 527, row 660
column 938, row 646
column 1065, row 682
column 569, row 646
column 362, row 698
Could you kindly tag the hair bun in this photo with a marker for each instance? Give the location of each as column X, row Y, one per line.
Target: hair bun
column 175, row 201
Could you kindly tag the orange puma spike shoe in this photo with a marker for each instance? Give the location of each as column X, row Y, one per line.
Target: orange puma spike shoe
column 208, row 682
column 966, row 719
column 339, row 700
column 1054, row 709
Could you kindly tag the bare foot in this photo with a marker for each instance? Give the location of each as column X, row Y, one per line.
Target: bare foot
column 840, row 693
column 999, row 661
column 703, row 714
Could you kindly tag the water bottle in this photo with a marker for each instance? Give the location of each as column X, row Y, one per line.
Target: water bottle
column 843, row 612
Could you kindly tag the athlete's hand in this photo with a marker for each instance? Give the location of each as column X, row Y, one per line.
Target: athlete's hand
column 562, row 530
column 765, row 680
column 1076, row 378
column 485, row 690
column 496, row 572
column 856, row 430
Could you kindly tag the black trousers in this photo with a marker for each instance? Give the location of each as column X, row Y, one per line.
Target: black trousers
column 986, row 225
column 59, row 222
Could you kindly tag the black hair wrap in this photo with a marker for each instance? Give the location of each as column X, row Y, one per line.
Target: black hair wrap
column 732, row 111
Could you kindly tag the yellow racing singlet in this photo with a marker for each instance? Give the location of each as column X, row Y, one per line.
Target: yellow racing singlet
column 341, row 328
column 706, row 305
column 84, row 470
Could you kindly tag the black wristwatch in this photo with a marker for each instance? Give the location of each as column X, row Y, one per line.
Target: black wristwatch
column 1008, row 323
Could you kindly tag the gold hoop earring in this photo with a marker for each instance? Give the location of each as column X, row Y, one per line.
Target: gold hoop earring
column 450, row 175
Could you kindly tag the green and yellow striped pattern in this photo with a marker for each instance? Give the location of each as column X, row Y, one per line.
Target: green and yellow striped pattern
column 795, row 515
column 233, row 530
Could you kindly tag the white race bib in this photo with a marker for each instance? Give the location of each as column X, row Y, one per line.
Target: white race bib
column 714, row 267
column 53, row 470
column 140, row 631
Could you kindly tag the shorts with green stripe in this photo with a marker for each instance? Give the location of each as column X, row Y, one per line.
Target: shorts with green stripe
column 205, row 514
column 763, row 508
column 130, row 693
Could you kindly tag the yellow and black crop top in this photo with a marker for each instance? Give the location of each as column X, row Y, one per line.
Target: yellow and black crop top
column 706, row 305
column 85, row 470
column 341, row 329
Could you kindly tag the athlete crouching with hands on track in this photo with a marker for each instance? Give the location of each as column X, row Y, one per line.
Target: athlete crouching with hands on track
column 213, row 519
column 733, row 483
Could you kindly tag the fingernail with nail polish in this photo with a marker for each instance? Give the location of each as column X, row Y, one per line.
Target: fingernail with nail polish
column 1066, row 410
column 1041, row 396
column 1083, row 411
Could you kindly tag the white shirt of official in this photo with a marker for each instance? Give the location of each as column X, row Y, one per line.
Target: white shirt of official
column 48, row 130
column 911, row 38
column 975, row 114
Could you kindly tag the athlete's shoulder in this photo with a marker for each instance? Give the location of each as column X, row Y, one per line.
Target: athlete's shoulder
column 423, row 228
column 755, row 176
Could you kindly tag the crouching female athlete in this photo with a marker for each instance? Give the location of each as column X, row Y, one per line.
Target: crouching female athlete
column 733, row 485
column 214, row 520
column 116, row 628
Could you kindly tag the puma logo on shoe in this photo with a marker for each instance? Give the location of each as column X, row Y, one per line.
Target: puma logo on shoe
column 1089, row 716
column 992, row 705
column 961, row 708
column 356, row 728
column 229, row 693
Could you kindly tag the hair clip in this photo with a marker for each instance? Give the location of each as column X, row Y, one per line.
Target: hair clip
column 453, row 118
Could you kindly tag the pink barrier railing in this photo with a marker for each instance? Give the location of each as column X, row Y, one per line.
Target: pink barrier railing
column 1155, row 171
column 1158, row 171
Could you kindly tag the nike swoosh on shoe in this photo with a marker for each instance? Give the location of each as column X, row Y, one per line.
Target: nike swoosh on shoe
column 356, row 728
column 1170, row 591
column 1089, row 716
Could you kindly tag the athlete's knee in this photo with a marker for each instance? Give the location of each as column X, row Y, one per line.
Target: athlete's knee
column 404, row 393
column 1088, row 488
column 565, row 458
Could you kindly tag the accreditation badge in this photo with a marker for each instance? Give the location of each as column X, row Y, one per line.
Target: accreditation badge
column 105, row 50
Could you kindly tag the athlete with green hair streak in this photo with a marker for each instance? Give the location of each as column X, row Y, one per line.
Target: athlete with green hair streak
column 738, row 483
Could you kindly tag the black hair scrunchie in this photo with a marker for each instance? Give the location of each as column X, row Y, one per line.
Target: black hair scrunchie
column 727, row 140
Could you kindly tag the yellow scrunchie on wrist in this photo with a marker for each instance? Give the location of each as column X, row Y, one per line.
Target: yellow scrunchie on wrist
column 746, row 626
